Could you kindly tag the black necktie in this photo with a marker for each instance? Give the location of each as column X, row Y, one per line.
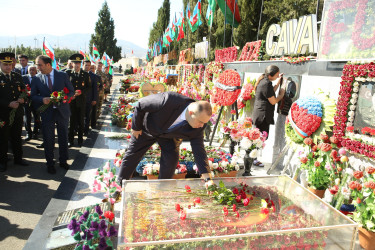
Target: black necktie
column 7, row 77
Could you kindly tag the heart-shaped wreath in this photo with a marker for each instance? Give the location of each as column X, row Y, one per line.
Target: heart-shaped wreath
column 227, row 88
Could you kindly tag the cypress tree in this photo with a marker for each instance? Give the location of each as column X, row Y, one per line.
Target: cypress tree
column 104, row 36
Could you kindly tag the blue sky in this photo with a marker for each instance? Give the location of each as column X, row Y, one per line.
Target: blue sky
column 133, row 18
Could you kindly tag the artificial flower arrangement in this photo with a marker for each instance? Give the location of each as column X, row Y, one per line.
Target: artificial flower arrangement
column 324, row 162
column 228, row 79
column 195, row 89
column 310, row 116
column 105, row 180
column 353, row 74
column 247, row 93
column 224, row 210
column 213, row 69
column 253, row 51
column 226, row 54
column 93, row 229
column 58, row 97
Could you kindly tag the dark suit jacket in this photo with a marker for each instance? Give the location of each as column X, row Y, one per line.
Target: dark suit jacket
column 39, row 90
column 154, row 115
column 92, row 94
column 81, row 82
column 10, row 91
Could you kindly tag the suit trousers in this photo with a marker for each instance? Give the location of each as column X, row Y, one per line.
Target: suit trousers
column 76, row 122
column 12, row 134
column 30, row 110
column 93, row 115
column 88, row 116
column 48, row 128
column 170, row 149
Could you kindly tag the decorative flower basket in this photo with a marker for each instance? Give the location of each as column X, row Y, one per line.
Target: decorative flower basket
column 230, row 174
column 366, row 239
column 122, row 123
column 319, row 193
column 175, row 176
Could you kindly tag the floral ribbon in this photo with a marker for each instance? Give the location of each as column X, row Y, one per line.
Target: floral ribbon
column 225, row 87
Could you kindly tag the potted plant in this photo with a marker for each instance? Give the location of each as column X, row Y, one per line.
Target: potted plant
column 362, row 188
column 93, row 229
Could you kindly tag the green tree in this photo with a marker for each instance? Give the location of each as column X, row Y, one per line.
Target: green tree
column 104, row 36
column 161, row 23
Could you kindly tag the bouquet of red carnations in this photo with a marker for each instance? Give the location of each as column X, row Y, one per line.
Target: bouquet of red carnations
column 13, row 112
column 56, row 98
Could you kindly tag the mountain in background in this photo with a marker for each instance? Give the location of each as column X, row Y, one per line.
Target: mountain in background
column 71, row 41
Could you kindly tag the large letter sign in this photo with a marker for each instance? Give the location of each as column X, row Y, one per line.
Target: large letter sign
column 294, row 37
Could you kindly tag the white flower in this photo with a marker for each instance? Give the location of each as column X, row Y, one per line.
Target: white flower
column 346, row 193
column 246, row 143
column 352, row 107
column 176, row 171
column 254, row 153
column 328, row 196
column 215, row 165
column 353, row 101
column 349, row 124
column 224, row 164
column 351, row 113
column 195, row 168
column 210, row 164
column 351, row 119
column 156, row 166
column 234, row 160
column 355, row 89
column 355, row 96
column 259, row 143
column 349, row 171
column 337, row 181
column 356, row 84
column 357, row 136
column 237, row 167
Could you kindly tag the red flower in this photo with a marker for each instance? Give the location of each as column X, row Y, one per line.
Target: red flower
column 197, row 200
column 66, row 90
column 238, row 198
column 326, row 147
column 334, row 189
column 188, row 189
column 246, row 202
column 316, row 163
column 233, row 112
column 358, row 200
column 234, row 207
column 324, row 137
column 237, row 214
column 78, row 91
column 55, row 94
column 178, row 207
column 355, row 185
column 370, row 184
column 358, row 174
column 225, row 210
column 334, row 154
column 109, row 215
column 235, row 191
column 264, row 210
column 303, row 160
column 182, row 215
column 308, row 141
column 334, row 139
column 370, row 170
column 66, row 97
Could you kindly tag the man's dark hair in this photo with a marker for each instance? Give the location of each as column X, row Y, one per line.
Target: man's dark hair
column 45, row 59
column 206, row 107
column 23, row 56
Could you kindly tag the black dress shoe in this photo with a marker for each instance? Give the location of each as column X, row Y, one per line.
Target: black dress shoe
column 64, row 165
column 28, row 137
column 21, row 162
column 40, row 146
column 51, row 170
column 3, row 167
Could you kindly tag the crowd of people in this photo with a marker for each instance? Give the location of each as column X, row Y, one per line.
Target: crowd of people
column 26, row 98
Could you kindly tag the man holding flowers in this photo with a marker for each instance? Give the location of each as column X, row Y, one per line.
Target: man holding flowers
column 51, row 92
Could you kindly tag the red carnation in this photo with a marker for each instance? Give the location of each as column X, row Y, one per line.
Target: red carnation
column 197, row 200
column 370, row 184
column 188, row 189
column 182, row 215
column 358, row 174
column 334, row 139
column 66, row 90
column 324, row 137
column 316, row 163
column 109, row 215
column 308, row 141
column 326, row 147
column 178, row 207
column 55, row 94
column 303, row 160
column 370, row 170
column 246, row 202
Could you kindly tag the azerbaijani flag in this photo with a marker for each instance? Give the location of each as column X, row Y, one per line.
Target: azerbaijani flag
column 82, row 53
column 196, row 18
column 231, row 7
column 92, row 59
column 188, row 14
column 95, row 51
column 210, row 11
column 48, row 50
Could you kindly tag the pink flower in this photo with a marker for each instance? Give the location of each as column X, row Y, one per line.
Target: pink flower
column 110, row 175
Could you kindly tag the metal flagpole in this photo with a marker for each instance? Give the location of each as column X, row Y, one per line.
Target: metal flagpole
column 260, row 19
column 234, row 13
column 225, row 19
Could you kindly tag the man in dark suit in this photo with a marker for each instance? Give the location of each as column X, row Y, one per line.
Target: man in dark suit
column 167, row 118
column 42, row 86
column 23, row 59
column 29, row 108
column 94, row 111
column 81, row 84
column 14, row 69
column 92, row 95
column 11, row 86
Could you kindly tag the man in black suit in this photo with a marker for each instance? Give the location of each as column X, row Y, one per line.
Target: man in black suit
column 94, row 111
column 29, row 108
column 81, row 83
column 23, row 59
column 42, row 86
column 14, row 69
column 11, row 86
column 167, row 118
column 91, row 97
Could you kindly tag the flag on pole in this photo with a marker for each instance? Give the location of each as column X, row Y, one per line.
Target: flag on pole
column 232, row 7
column 188, row 15
column 210, row 11
column 92, row 59
column 181, row 26
column 48, row 50
column 196, row 17
column 95, row 51
column 82, row 53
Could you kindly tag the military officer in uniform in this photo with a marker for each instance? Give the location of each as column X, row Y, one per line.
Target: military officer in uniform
column 82, row 85
column 91, row 97
column 11, row 86
column 104, row 82
column 94, row 111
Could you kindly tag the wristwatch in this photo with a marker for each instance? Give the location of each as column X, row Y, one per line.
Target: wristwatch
column 207, row 179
